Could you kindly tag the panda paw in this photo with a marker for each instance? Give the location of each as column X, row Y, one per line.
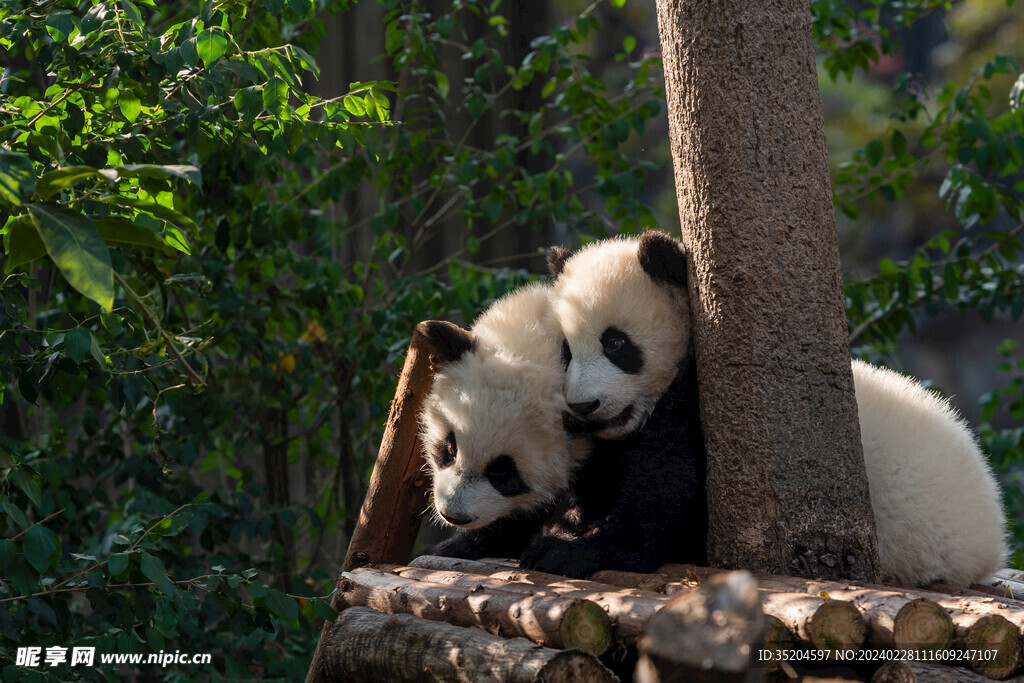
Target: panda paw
column 559, row 556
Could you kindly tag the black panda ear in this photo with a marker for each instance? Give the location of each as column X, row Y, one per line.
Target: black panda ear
column 557, row 256
column 662, row 258
column 448, row 339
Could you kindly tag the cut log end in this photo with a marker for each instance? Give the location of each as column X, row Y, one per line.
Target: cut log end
column 924, row 625
column 586, row 626
column 993, row 634
column 837, row 625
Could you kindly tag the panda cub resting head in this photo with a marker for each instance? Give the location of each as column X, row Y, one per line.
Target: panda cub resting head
column 491, row 427
column 639, row 499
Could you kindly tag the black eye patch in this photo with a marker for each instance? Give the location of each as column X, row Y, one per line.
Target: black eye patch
column 566, row 354
column 621, row 351
column 504, row 476
column 444, row 456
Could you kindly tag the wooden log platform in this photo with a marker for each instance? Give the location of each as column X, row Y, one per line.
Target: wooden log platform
column 366, row 645
column 547, row 620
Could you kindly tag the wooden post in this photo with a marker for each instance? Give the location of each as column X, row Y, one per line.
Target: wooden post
column 708, row 634
column 390, row 517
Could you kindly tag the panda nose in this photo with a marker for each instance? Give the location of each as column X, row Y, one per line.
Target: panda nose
column 585, row 408
column 455, row 521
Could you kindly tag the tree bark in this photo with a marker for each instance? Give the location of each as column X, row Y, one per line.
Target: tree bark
column 628, row 610
column 786, row 476
column 707, row 634
column 364, row 645
column 545, row 619
column 922, row 672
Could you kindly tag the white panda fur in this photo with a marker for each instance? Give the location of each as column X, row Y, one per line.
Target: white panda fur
column 936, row 502
column 604, row 284
column 501, row 396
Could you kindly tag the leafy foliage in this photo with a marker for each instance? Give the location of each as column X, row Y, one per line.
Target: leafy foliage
column 210, row 275
column 184, row 313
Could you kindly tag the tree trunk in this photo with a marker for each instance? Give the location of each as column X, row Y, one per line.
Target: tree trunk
column 364, row 645
column 786, row 477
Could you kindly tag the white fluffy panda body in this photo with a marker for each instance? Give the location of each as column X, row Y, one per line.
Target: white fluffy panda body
column 936, row 502
column 491, row 426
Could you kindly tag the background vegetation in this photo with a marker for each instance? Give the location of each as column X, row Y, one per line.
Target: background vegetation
column 215, row 250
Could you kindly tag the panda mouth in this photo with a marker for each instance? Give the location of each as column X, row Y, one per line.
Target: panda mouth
column 574, row 424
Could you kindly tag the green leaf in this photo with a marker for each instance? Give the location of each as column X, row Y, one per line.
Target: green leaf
column 354, row 104
column 39, row 547
column 899, row 143
column 78, row 251
column 133, row 13
column 16, row 177
column 282, row 605
column 873, row 152
column 249, row 102
column 54, row 181
column 76, row 343
column 24, row 479
column 628, row 44
column 306, row 59
column 442, row 83
column 211, row 46
column 177, row 240
column 117, row 563
column 618, row 3
column 129, row 105
column 275, row 96
column 243, row 69
column 7, row 553
column 22, row 244
column 153, row 569
column 323, row 608
column 59, row 25
column 151, row 207
column 300, row 7
column 121, row 231
column 186, row 171
column 14, row 513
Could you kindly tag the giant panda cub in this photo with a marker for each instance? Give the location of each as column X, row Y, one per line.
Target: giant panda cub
column 639, row 500
column 491, row 427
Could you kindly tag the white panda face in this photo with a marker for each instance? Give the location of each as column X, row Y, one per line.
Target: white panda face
column 627, row 327
column 495, row 446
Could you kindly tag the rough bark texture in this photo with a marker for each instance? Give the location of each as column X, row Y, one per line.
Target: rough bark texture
column 705, row 635
column 364, row 645
column 391, row 512
column 545, row 619
column 628, row 609
column 390, row 516
column 785, row 468
column 922, row 672
column 505, row 572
